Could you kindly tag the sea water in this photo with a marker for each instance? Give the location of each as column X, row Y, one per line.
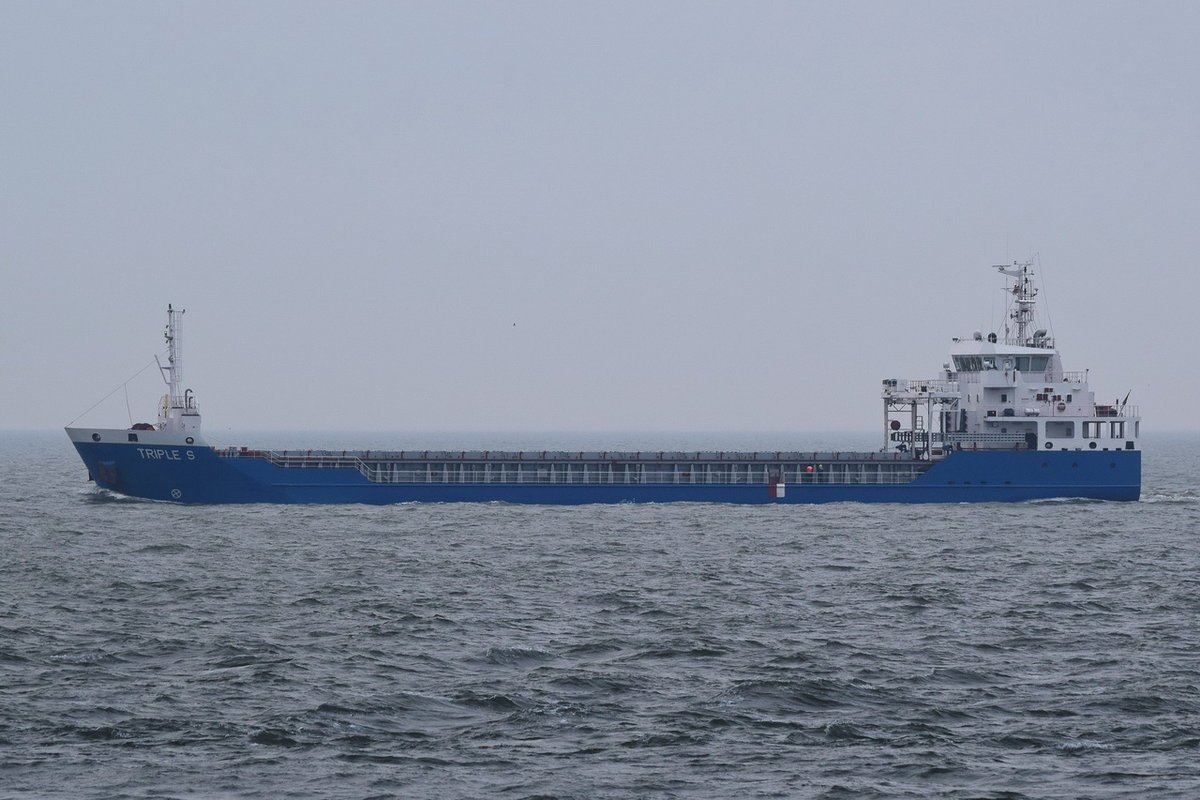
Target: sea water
column 1032, row 650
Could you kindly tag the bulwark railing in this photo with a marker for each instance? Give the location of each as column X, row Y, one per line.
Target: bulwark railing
column 384, row 473
column 295, row 458
column 584, row 467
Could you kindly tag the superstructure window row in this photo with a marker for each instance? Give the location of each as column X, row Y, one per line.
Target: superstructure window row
column 1018, row 363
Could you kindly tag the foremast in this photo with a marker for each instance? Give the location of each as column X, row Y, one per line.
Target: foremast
column 177, row 412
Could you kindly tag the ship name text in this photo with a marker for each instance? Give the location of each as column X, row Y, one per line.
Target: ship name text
column 163, row 454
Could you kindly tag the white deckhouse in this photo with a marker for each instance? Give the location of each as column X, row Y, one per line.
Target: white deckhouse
column 1010, row 394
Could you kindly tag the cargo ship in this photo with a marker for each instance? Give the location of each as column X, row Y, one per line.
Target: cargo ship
column 1001, row 422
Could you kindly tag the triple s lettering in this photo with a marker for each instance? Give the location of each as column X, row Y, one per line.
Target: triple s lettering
column 161, row 453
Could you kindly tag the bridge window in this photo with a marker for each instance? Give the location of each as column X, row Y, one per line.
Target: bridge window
column 1032, row 363
column 1019, row 363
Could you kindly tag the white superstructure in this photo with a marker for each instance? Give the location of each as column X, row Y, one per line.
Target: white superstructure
column 1009, row 394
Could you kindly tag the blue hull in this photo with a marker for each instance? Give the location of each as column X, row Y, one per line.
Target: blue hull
column 196, row 474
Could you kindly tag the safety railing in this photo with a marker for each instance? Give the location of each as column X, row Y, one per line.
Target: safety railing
column 455, row 474
column 350, row 458
column 583, row 467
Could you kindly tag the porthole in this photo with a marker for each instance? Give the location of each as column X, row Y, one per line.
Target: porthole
column 95, row 437
column 190, row 440
column 1049, row 445
column 1092, row 445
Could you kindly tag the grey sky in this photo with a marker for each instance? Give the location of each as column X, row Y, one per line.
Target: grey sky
column 592, row 216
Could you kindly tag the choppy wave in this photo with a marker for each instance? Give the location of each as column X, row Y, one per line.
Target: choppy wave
column 1036, row 650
